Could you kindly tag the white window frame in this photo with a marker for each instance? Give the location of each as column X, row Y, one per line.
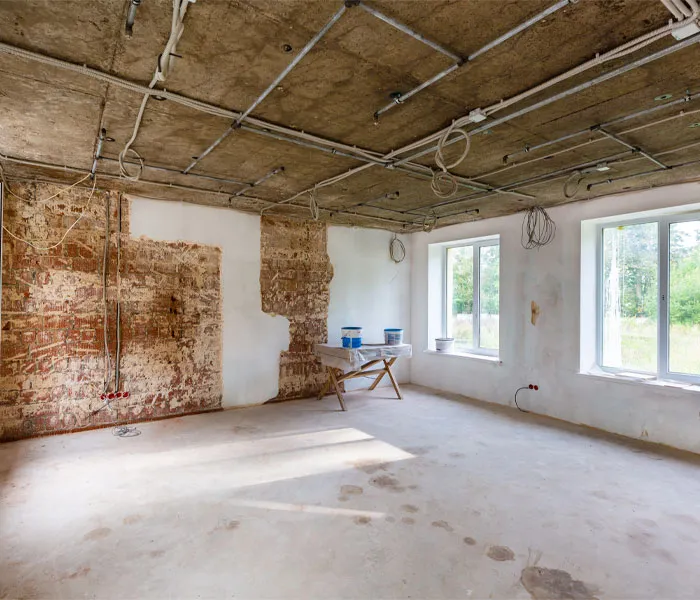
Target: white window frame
column 663, row 223
column 476, row 246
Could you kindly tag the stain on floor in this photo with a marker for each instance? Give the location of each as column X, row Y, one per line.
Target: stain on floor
column 469, row 541
column 442, row 525
column 419, row 450
column 226, row 525
column 554, row 584
column 351, row 490
column 97, row 534
column 500, row 553
column 362, row 520
column 409, row 508
column 408, row 521
column 370, row 467
column 387, row 482
column 131, row 519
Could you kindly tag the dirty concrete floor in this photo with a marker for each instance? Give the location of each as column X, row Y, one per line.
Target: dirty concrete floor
column 430, row 497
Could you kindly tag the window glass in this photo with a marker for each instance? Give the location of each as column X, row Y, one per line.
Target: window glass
column 489, row 260
column 630, row 296
column 684, row 298
column 460, row 290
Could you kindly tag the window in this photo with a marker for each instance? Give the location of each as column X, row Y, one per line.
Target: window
column 649, row 297
column 472, row 296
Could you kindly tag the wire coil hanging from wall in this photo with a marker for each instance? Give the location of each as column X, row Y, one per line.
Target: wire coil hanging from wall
column 538, row 228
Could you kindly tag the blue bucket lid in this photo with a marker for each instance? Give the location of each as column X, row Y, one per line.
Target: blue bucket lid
column 398, row 329
column 353, row 328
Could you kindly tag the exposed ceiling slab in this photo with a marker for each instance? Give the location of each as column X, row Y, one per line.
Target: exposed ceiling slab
column 231, row 51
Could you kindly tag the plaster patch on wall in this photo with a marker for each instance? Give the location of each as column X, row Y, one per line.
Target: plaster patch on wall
column 252, row 340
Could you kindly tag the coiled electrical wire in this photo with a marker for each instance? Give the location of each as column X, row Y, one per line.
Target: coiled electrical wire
column 397, row 250
column 444, row 184
column 429, row 221
column 313, row 205
column 538, row 228
column 574, row 179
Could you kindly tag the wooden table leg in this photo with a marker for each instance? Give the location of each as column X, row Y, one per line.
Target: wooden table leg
column 331, row 373
column 381, row 375
column 325, row 388
column 388, row 364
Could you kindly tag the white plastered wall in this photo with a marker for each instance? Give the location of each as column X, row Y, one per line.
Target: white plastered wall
column 548, row 354
column 252, row 339
column 368, row 290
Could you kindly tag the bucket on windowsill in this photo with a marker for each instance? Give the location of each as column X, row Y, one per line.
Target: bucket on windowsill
column 444, row 344
column 351, row 337
column 393, row 337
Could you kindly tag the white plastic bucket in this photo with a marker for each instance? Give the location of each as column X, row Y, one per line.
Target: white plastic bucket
column 351, row 337
column 393, row 337
column 444, row 344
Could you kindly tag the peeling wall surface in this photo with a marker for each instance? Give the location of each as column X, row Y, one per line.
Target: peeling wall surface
column 252, row 340
column 547, row 354
column 52, row 370
column 369, row 290
column 295, row 275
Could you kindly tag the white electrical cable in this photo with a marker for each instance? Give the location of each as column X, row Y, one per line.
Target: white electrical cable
column 444, row 184
column 80, row 217
column 313, row 205
column 165, row 63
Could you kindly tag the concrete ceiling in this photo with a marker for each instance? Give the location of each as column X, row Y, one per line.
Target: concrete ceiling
column 232, row 50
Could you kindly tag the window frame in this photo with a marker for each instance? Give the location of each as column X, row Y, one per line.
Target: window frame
column 663, row 223
column 476, row 246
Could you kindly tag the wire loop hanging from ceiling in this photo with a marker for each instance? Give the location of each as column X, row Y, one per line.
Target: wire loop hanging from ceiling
column 538, row 228
column 444, row 184
column 397, row 251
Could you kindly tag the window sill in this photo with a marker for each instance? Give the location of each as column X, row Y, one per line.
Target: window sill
column 659, row 383
column 484, row 357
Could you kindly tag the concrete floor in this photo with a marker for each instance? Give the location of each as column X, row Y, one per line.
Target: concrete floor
column 431, row 497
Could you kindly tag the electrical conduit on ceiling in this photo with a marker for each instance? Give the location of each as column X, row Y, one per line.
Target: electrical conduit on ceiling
column 623, row 50
column 165, row 63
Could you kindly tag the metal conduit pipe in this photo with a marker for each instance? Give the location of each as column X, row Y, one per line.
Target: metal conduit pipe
column 490, row 46
column 561, row 95
column 403, row 97
column 179, row 172
column 65, row 168
column 263, row 179
column 131, row 17
column 532, row 180
column 634, row 115
column 600, row 79
column 561, row 173
column 590, row 186
column 198, row 105
column 672, row 9
column 407, row 30
column 646, row 155
column 683, row 8
column 304, row 51
column 98, row 151
column 591, row 130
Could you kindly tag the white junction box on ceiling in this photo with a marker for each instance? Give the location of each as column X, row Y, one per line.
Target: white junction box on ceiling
column 685, row 32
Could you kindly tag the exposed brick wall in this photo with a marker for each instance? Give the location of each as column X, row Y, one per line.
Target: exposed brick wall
column 295, row 275
column 52, row 359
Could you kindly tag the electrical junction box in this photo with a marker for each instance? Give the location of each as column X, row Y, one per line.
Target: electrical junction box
column 685, row 32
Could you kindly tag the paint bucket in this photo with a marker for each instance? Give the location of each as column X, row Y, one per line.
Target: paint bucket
column 444, row 344
column 393, row 337
column 351, row 337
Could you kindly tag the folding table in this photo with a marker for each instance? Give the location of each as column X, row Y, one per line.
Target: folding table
column 349, row 363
